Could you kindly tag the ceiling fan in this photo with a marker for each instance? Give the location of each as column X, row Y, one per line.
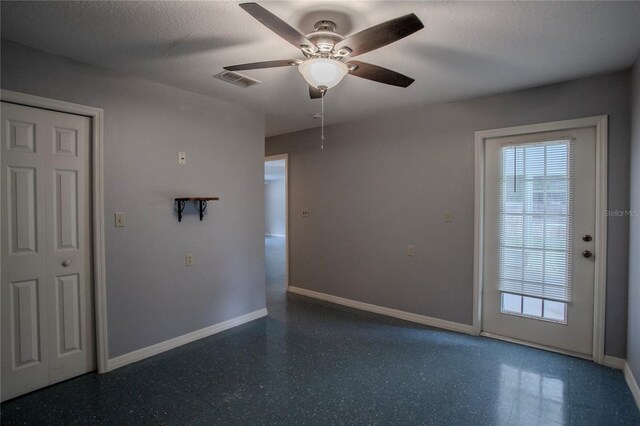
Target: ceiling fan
column 328, row 54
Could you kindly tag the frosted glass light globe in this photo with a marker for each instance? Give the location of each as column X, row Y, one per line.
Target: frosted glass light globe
column 323, row 72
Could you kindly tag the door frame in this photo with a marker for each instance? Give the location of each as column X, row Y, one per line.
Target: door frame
column 601, row 125
column 96, row 115
column 284, row 157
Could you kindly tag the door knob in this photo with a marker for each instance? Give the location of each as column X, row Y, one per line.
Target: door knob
column 587, row 254
column 66, row 263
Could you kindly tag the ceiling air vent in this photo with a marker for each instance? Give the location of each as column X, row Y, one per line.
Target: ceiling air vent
column 236, row 78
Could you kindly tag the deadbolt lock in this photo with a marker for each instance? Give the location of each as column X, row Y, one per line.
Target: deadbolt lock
column 587, row 238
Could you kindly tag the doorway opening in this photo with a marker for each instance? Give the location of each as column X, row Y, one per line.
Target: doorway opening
column 276, row 241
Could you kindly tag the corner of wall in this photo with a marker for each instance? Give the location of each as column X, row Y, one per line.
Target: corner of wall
column 632, row 370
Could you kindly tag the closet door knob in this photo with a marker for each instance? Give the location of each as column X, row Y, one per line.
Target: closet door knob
column 66, row 263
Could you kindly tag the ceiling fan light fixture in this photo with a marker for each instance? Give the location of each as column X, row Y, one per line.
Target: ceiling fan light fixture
column 323, row 72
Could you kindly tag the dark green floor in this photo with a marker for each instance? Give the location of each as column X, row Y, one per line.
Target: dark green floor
column 310, row 362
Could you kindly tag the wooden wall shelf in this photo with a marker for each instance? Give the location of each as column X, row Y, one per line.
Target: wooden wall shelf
column 202, row 204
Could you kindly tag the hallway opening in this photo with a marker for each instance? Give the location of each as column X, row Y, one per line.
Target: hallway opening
column 276, row 238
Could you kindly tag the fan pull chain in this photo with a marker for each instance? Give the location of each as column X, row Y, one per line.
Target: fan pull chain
column 322, row 92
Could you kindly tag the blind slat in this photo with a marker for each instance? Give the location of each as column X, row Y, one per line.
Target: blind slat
column 536, row 211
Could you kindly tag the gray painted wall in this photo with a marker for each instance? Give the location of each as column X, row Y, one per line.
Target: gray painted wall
column 274, row 213
column 633, row 333
column 151, row 295
column 383, row 183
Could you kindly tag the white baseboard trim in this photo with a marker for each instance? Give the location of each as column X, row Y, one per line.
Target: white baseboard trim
column 152, row 350
column 407, row 316
column 633, row 385
column 614, row 362
column 275, row 235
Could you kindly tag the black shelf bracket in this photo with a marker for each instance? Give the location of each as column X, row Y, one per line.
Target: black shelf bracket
column 202, row 208
column 181, row 204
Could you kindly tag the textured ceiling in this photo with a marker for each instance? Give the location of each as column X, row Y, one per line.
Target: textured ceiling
column 467, row 49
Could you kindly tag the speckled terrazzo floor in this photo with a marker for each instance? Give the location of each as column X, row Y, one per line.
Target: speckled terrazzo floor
column 311, row 362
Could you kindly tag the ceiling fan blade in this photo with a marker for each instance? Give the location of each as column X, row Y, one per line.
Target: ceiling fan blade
column 277, row 25
column 380, row 35
column 314, row 92
column 379, row 74
column 265, row 64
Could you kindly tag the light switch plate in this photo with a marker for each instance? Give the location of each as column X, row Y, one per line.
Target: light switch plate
column 182, row 158
column 411, row 250
column 120, row 219
column 188, row 259
column 448, row 215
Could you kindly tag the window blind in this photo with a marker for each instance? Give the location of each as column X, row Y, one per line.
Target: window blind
column 536, row 210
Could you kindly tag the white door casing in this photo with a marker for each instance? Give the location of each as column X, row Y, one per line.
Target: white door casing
column 47, row 307
column 96, row 115
column 576, row 336
column 597, row 126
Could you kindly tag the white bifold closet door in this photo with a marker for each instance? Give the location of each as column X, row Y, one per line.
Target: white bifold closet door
column 46, row 287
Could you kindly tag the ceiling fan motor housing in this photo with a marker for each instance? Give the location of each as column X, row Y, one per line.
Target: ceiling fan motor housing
column 325, row 25
column 324, row 37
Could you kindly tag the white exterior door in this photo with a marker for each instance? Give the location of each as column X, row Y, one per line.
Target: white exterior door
column 539, row 239
column 46, row 284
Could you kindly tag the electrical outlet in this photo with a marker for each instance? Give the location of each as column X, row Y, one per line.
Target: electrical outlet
column 448, row 216
column 182, row 158
column 120, row 219
column 305, row 212
column 411, row 250
column 188, row 259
